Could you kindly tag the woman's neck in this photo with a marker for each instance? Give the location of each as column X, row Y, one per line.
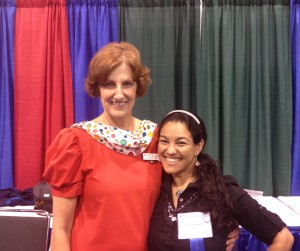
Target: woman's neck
column 182, row 182
column 128, row 123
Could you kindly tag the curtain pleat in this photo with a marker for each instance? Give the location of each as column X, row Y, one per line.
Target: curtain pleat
column 43, row 96
column 7, row 21
column 246, row 93
column 92, row 24
column 167, row 33
column 295, row 47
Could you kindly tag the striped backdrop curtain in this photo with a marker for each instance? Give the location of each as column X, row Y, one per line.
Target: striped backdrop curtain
column 50, row 42
column 45, row 49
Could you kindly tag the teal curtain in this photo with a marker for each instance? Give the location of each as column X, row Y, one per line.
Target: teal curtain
column 167, row 33
column 245, row 91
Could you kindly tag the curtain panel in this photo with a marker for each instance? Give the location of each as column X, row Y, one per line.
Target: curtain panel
column 167, row 33
column 295, row 47
column 7, row 21
column 92, row 24
column 43, row 98
column 245, row 91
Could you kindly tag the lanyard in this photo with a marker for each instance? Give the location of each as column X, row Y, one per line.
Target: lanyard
column 197, row 244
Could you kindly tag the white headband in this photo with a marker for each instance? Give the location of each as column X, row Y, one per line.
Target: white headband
column 188, row 113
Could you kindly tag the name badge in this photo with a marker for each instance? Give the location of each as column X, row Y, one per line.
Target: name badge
column 194, row 225
column 150, row 156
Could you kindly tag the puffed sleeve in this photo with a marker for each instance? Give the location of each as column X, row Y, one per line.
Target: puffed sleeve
column 251, row 215
column 63, row 165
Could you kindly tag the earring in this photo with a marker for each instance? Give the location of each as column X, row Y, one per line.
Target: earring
column 197, row 163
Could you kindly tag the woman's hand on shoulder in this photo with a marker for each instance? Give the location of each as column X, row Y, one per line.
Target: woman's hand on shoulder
column 232, row 238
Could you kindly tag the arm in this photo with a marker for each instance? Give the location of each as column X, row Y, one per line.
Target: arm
column 63, row 218
column 264, row 224
column 283, row 241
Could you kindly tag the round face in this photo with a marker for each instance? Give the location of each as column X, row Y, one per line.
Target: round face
column 176, row 149
column 118, row 94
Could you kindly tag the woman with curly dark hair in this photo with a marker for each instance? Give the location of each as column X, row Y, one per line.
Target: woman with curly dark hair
column 197, row 201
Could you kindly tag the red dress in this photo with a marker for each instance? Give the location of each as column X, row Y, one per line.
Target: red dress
column 116, row 192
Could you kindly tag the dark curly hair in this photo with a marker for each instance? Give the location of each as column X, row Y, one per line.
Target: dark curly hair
column 109, row 58
column 212, row 188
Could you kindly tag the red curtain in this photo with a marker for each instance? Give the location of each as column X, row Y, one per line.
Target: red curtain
column 43, row 99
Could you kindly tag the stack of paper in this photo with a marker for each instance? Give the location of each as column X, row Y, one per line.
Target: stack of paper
column 291, row 201
column 289, row 216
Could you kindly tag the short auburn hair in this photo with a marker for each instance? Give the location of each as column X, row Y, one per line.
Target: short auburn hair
column 109, row 58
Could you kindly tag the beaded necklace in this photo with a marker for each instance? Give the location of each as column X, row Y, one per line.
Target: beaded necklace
column 173, row 212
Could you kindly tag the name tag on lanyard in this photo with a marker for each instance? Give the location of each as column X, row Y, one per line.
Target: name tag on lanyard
column 194, row 225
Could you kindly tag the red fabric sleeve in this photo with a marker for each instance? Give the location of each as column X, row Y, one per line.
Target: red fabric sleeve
column 63, row 169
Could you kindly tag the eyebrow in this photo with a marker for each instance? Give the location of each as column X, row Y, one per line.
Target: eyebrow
column 180, row 138
column 127, row 79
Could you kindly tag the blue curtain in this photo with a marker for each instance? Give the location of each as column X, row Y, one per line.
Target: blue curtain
column 7, row 17
column 92, row 24
column 295, row 47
